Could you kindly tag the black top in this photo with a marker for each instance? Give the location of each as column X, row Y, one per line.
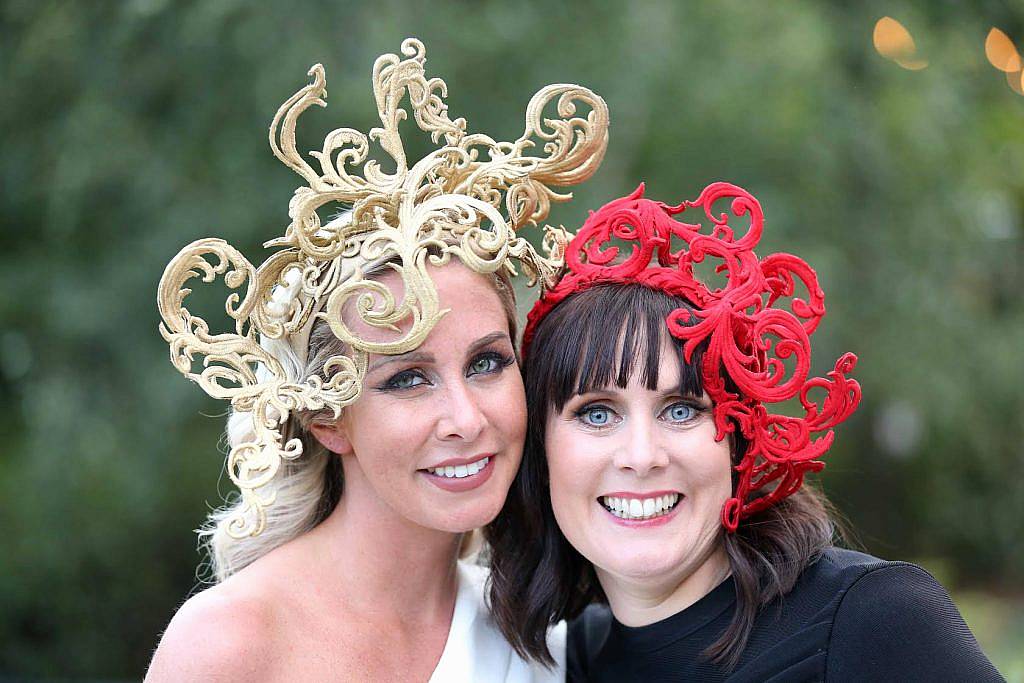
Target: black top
column 850, row 617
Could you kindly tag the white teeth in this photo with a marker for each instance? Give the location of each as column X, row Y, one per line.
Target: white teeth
column 460, row 471
column 636, row 508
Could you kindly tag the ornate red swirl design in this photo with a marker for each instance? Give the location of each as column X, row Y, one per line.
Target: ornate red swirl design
column 749, row 331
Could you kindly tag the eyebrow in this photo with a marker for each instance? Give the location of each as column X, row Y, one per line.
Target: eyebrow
column 488, row 339
column 423, row 357
column 612, row 389
column 410, row 357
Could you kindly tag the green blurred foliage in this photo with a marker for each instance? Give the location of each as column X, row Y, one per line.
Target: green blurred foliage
column 132, row 128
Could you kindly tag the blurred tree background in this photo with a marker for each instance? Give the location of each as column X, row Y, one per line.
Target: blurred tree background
column 132, row 128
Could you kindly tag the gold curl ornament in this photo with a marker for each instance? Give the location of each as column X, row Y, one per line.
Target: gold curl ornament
column 467, row 199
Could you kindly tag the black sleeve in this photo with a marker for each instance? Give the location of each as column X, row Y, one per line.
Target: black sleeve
column 898, row 623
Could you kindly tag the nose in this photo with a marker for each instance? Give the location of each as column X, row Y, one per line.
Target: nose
column 461, row 416
column 641, row 450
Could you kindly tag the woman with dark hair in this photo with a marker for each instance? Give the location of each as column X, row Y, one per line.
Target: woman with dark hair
column 660, row 505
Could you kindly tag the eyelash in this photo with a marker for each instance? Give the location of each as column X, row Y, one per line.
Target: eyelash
column 502, row 360
column 696, row 408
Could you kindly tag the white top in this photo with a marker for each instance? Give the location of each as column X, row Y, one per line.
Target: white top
column 476, row 651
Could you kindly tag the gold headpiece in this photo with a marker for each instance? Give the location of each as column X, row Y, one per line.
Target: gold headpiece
column 449, row 202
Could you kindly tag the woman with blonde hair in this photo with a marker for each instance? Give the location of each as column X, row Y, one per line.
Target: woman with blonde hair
column 378, row 412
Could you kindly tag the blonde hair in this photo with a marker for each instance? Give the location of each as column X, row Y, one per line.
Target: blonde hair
column 306, row 489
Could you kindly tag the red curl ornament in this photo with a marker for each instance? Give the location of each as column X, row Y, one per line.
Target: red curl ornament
column 749, row 333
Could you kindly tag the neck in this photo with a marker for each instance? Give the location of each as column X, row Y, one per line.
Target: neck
column 646, row 600
column 381, row 563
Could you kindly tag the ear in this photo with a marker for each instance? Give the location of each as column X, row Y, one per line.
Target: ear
column 332, row 436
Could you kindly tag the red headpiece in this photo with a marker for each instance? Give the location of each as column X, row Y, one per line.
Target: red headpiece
column 747, row 335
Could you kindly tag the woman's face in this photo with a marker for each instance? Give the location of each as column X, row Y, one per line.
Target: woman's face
column 437, row 435
column 637, row 478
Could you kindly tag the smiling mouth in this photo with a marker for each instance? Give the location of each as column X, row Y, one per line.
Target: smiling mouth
column 459, row 471
column 458, row 477
column 640, row 508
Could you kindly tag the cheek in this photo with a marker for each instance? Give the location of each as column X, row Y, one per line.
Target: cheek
column 511, row 403
column 506, row 406
column 712, row 472
column 382, row 429
column 571, row 470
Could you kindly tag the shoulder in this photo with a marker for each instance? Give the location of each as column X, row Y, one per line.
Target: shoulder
column 220, row 634
column 842, row 567
column 827, row 579
column 823, row 583
column 896, row 619
column 896, row 595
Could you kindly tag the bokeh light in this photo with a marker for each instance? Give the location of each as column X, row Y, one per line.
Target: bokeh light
column 1001, row 52
column 894, row 42
column 1003, row 55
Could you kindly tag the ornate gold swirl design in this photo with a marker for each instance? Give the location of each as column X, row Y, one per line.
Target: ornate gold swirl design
column 465, row 199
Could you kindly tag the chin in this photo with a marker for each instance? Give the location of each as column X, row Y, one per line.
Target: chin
column 639, row 560
column 469, row 515
column 463, row 521
column 642, row 565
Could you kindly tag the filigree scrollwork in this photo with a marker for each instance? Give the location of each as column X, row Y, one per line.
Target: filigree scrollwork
column 756, row 349
column 465, row 199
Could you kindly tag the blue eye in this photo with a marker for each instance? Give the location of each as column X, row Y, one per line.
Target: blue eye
column 680, row 412
column 596, row 416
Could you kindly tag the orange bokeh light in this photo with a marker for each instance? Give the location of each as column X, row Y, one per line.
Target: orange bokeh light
column 894, row 42
column 1001, row 52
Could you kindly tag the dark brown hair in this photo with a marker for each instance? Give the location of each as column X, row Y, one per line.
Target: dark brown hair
column 607, row 334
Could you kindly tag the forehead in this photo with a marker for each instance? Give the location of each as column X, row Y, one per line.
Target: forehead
column 632, row 359
column 474, row 307
column 610, row 337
